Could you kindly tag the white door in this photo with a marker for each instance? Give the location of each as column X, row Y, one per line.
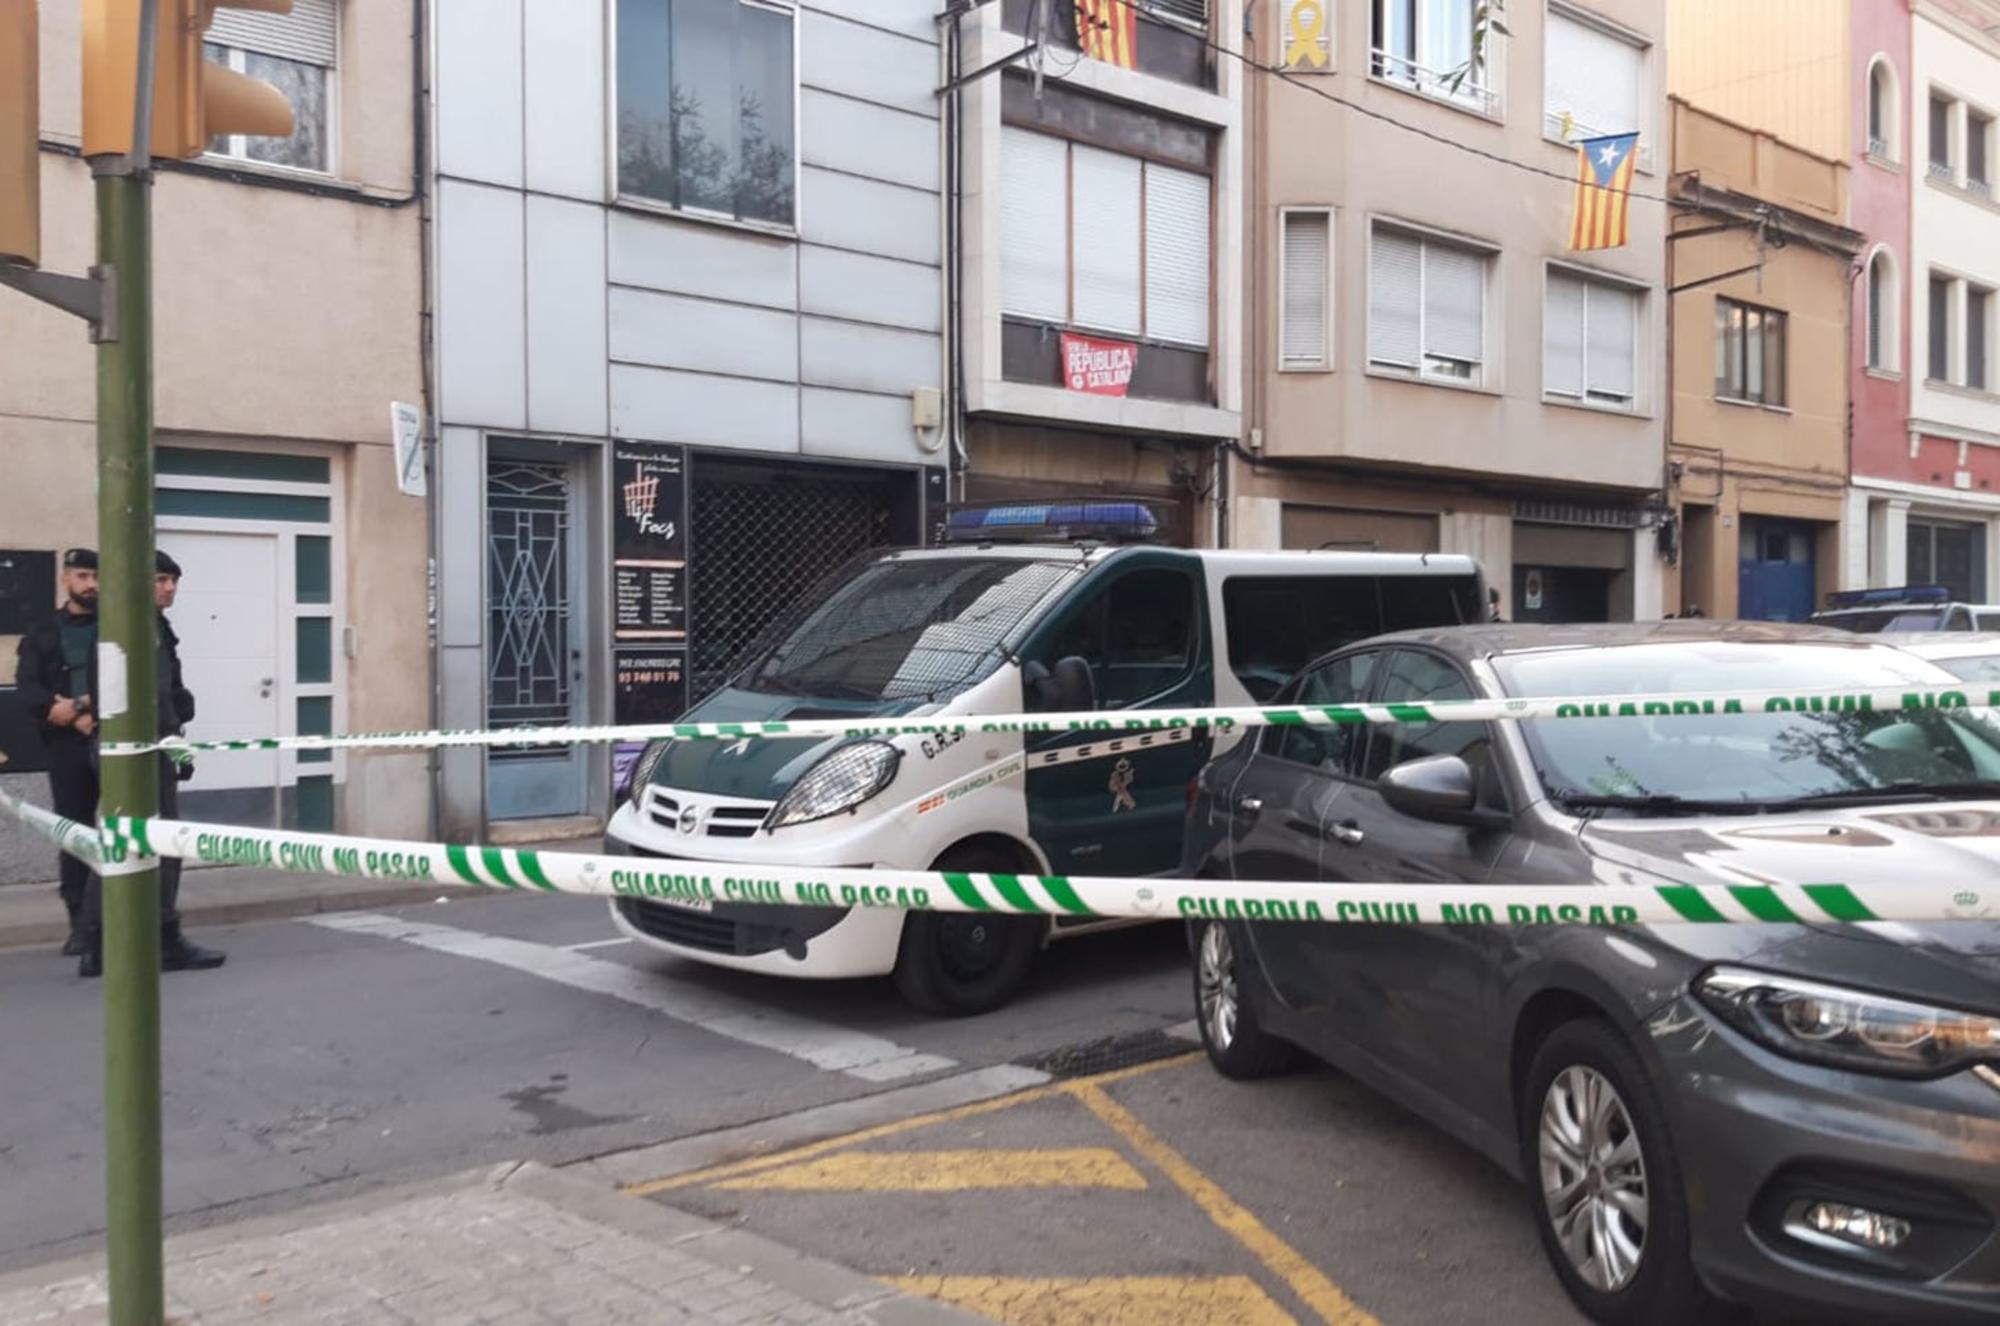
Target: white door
column 227, row 620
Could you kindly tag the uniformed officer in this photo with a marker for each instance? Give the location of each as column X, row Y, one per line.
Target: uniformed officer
column 176, row 705
column 56, row 678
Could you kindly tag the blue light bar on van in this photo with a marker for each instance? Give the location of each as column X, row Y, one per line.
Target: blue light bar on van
column 1865, row 598
column 1040, row 522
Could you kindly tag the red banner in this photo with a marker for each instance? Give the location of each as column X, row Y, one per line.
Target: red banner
column 1102, row 368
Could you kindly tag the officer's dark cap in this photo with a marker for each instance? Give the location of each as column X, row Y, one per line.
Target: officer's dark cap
column 80, row 559
column 165, row 565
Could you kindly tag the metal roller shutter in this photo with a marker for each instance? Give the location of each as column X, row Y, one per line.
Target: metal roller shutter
column 309, row 34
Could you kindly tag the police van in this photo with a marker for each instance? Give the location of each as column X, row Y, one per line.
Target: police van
column 1056, row 608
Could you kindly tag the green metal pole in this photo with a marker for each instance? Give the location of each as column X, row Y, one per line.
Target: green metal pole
column 130, row 783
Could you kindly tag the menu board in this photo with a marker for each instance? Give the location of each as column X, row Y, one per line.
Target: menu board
column 649, row 542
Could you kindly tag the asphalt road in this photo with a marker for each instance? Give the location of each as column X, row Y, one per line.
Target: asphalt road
column 342, row 1051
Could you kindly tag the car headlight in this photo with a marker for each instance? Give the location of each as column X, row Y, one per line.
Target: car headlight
column 642, row 772
column 841, row 781
column 1828, row 1024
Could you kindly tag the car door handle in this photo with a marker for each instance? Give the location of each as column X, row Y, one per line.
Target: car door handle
column 1347, row 831
column 1249, row 805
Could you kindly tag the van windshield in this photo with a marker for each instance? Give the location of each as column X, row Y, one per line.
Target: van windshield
column 906, row 629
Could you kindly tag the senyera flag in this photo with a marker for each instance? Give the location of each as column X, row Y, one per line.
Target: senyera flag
column 1108, row 30
column 1603, row 191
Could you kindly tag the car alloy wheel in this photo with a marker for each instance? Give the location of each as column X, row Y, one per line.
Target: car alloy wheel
column 1593, row 1178
column 1216, row 986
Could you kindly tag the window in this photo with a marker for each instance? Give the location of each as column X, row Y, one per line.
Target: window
column 1138, row 635
column 1593, row 78
column 1426, row 45
column 1978, row 135
column 1410, row 677
column 1343, row 681
column 1426, row 306
column 705, row 107
column 1882, row 135
column 1941, row 166
column 1977, row 301
column 295, row 53
column 1749, row 353
column 1940, row 329
column 1590, row 341
column 1277, row 624
column 1883, row 307
column 1096, row 239
column 1303, row 325
column 1948, row 554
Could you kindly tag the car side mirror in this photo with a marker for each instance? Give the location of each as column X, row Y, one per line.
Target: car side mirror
column 1439, row 788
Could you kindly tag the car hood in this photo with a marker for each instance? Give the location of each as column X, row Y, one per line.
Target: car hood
column 1950, row 962
column 759, row 768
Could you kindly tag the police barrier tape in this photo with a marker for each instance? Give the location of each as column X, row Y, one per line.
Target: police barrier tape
column 1663, row 705
column 79, row 840
column 704, row 883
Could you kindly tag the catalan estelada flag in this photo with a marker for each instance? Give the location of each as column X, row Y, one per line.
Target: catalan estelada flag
column 1603, row 191
column 1108, row 30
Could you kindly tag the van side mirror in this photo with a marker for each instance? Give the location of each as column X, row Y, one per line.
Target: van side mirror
column 1068, row 688
column 1439, row 788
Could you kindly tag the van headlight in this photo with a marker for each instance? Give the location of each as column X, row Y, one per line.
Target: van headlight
column 1853, row 1029
column 841, row 781
column 642, row 772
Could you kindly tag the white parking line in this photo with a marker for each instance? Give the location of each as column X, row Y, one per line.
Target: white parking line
column 855, row 1053
column 595, row 943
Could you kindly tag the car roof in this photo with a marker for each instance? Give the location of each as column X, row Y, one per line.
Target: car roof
column 1228, row 561
column 1470, row 643
column 1944, row 644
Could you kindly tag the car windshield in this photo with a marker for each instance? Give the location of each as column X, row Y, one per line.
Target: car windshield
column 1982, row 668
column 1885, row 619
column 1749, row 759
column 906, row 628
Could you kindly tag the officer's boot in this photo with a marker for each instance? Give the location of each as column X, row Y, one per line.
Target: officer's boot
column 177, row 954
column 91, row 963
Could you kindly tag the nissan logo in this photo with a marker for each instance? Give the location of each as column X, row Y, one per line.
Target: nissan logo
column 690, row 819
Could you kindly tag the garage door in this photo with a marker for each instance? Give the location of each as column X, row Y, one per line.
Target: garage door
column 1359, row 531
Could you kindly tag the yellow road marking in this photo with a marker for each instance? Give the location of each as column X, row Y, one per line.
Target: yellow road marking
column 1306, row 1280
column 1133, row 1300
column 948, row 1171
column 694, row 1178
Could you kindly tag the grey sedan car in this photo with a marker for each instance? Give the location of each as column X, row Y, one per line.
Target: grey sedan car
column 1792, row 1115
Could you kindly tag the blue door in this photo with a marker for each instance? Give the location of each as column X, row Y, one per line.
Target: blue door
column 1775, row 577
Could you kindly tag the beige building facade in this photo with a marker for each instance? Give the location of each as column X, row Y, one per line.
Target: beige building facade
column 288, row 315
column 1758, row 459
column 1432, row 367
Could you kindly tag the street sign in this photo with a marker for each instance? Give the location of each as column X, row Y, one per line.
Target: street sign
column 406, row 427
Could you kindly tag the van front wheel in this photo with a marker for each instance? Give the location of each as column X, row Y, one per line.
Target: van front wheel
column 957, row 964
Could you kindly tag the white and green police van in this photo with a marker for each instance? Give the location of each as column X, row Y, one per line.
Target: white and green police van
column 1056, row 608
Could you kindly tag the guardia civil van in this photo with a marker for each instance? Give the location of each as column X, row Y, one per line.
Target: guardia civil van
column 1055, row 608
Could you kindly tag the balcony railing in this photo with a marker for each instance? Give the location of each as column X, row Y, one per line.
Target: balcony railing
column 1446, row 86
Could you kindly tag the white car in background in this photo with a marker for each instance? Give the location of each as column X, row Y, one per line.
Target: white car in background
column 1968, row 655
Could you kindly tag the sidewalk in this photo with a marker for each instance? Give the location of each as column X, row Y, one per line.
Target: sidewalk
column 32, row 914
column 515, row 1245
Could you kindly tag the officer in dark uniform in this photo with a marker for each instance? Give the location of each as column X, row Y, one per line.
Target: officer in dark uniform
column 55, row 678
column 176, row 704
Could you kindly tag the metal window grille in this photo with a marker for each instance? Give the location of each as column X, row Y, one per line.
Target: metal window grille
column 762, row 535
column 1536, row 511
column 1192, row 13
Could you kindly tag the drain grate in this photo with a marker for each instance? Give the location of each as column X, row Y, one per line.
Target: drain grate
column 1107, row 1054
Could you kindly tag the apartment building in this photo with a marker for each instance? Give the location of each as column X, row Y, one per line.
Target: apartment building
column 1760, row 266
column 1433, row 368
column 687, row 266
column 1097, row 240
column 287, row 279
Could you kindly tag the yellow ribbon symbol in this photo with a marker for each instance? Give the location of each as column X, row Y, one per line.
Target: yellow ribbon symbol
column 1308, row 25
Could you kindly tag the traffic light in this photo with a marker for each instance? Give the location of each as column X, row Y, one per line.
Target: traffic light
column 20, row 127
column 194, row 100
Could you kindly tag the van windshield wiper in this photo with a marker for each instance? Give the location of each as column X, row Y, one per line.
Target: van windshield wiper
column 1903, row 789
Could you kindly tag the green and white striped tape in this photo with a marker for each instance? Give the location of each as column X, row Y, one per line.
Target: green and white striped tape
column 1662, row 705
column 709, row 882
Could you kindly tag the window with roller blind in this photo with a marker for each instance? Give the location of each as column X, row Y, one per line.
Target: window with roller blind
column 1305, row 242
column 1426, row 306
column 297, row 53
column 1590, row 341
column 1102, row 241
column 1594, row 77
